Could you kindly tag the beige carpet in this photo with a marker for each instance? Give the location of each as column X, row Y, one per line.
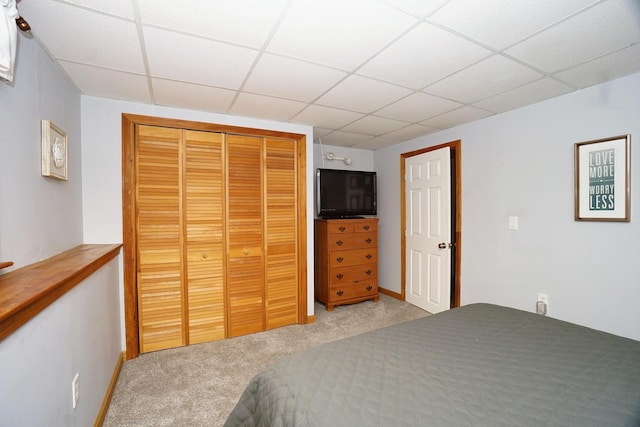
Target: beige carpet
column 200, row 384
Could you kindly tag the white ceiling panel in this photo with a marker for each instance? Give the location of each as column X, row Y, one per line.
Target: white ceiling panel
column 528, row 94
column 192, row 96
column 603, row 69
column 121, row 8
column 418, row 8
column 409, row 132
column 332, row 118
column 375, row 126
column 457, row 117
column 106, row 83
column 418, row 107
column 264, row 107
column 192, row 59
column 338, row 33
column 89, row 38
column 290, row 78
column 423, row 56
column 345, row 139
column 245, row 22
column 606, row 27
column 362, row 94
column 484, row 79
column 509, row 20
column 396, row 69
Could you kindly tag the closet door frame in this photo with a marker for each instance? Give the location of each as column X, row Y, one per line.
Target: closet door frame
column 129, row 122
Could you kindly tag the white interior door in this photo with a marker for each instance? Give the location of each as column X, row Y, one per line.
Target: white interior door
column 428, row 233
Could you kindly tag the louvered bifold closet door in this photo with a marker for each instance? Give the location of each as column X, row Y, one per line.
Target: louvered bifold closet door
column 245, row 261
column 204, row 222
column 159, row 238
column 280, row 232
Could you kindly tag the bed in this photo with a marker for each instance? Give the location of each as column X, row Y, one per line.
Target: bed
column 477, row 365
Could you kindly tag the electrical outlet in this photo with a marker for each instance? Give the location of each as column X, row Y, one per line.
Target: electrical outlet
column 542, row 305
column 75, row 390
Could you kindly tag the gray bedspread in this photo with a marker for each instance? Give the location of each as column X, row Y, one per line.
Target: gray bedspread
column 478, row 365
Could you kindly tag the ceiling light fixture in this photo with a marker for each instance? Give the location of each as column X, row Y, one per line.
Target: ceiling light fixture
column 331, row 156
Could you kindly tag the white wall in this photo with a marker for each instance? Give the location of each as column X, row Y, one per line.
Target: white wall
column 521, row 163
column 78, row 333
column 102, row 167
column 40, row 217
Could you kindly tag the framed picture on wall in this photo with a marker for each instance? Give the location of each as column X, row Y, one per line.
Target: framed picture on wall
column 602, row 179
column 54, row 151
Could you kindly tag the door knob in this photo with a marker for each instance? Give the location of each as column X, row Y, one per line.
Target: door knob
column 442, row 245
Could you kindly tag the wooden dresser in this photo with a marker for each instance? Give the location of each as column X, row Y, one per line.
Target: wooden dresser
column 346, row 261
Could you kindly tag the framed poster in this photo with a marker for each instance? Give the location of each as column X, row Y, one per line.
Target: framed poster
column 54, row 151
column 602, row 179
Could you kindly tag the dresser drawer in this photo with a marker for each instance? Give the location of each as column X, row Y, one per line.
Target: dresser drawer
column 334, row 227
column 359, row 290
column 358, row 273
column 353, row 257
column 353, row 241
column 364, row 227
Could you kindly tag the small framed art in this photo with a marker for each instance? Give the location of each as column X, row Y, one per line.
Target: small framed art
column 54, row 151
column 602, row 179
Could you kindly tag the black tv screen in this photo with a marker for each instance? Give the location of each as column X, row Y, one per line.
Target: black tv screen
column 345, row 193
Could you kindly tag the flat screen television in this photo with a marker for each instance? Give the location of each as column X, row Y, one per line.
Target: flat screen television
column 345, row 193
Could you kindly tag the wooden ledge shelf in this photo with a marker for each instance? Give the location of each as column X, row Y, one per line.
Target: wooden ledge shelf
column 28, row 290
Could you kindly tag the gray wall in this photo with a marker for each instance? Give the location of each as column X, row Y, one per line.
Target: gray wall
column 40, row 217
column 521, row 163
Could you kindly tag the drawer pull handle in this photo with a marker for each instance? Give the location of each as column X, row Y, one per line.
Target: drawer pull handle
column 339, row 259
column 339, row 242
column 366, row 228
column 369, row 287
column 342, row 228
column 368, row 256
column 368, row 240
column 368, row 272
column 339, row 276
column 339, row 293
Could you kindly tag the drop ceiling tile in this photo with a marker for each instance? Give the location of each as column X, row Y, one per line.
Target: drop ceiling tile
column 457, row 117
column 106, row 83
column 484, row 79
column 122, row 8
column 609, row 67
column 289, row 78
column 191, row 59
column 418, row 8
column 501, row 23
column 604, row 28
column 93, row 39
column 341, row 34
column 410, row 132
column 345, row 139
column 320, row 132
column 528, row 94
column 264, row 107
column 418, row 107
column 375, row 126
column 362, row 94
column 245, row 22
column 422, row 56
column 192, row 96
column 326, row 117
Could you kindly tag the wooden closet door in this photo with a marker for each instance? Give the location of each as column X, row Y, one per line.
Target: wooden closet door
column 245, row 261
column 159, row 238
column 203, row 200
column 281, row 227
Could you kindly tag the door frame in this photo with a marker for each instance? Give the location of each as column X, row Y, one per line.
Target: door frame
column 130, row 262
column 456, row 201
